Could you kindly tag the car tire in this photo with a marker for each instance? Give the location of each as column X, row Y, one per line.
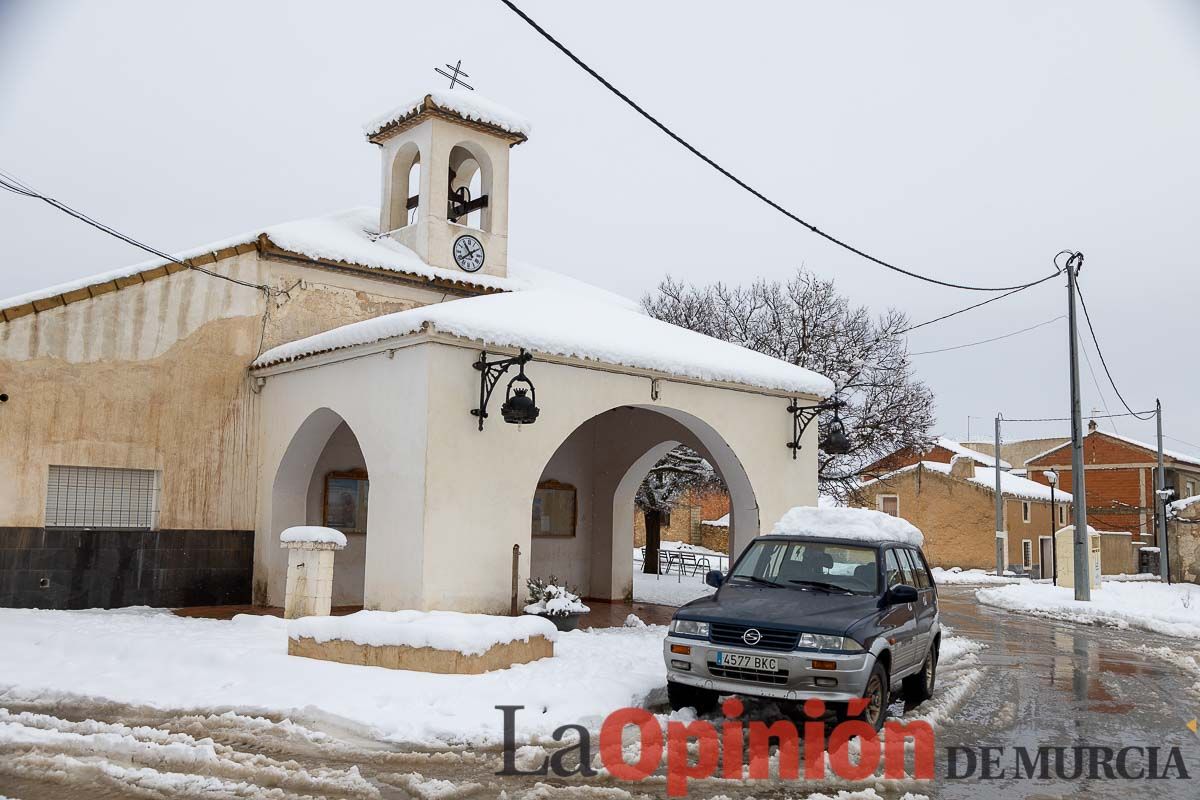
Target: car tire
column 878, row 695
column 680, row 695
column 919, row 687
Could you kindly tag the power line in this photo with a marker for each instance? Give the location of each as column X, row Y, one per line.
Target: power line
column 1099, row 352
column 993, row 339
column 1096, row 383
column 15, row 186
column 974, row 306
column 743, row 184
column 1068, row 419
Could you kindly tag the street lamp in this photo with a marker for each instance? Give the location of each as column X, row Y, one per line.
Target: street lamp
column 1052, row 479
column 835, row 441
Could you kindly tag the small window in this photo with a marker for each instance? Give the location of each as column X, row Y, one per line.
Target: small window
column 889, row 504
column 665, row 519
column 906, row 567
column 915, row 570
column 1062, row 515
column 1190, row 489
column 1026, row 511
column 894, row 577
column 1027, row 554
column 102, row 497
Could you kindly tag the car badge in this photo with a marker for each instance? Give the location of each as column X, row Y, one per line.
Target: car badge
column 752, row 636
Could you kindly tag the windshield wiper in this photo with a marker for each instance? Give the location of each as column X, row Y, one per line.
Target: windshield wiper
column 763, row 581
column 828, row 587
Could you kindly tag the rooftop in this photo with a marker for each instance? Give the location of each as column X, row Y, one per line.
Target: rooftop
column 1010, row 485
column 959, row 449
column 1173, row 455
column 572, row 324
column 462, row 103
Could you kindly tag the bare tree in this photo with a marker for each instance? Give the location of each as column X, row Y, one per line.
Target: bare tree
column 677, row 472
column 807, row 322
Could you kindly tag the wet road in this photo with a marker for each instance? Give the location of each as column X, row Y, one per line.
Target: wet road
column 1036, row 683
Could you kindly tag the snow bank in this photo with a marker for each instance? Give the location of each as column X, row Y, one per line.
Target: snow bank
column 957, row 576
column 568, row 324
column 857, row 524
column 1173, row 610
column 469, row 634
column 243, row 665
column 463, row 102
column 313, row 533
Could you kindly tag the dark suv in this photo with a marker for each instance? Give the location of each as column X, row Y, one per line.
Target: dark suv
column 800, row 617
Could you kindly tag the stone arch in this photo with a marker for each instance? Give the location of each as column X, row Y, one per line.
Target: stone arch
column 469, row 165
column 605, row 458
column 406, row 161
column 324, row 442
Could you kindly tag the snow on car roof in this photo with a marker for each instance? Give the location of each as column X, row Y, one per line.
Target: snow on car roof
column 569, row 324
column 851, row 524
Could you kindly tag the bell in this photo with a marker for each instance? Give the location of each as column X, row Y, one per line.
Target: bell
column 835, row 441
column 519, row 408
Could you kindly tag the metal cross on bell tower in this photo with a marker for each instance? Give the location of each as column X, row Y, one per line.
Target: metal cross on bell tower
column 456, row 71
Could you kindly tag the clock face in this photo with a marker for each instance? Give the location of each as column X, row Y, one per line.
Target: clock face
column 468, row 253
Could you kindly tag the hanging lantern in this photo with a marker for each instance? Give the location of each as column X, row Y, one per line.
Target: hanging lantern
column 520, row 406
column 835, row 442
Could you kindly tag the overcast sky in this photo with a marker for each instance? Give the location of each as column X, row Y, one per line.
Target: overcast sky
column 967, row 142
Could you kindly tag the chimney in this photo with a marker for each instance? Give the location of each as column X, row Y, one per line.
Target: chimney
column 1091, row 426
column 962, row 467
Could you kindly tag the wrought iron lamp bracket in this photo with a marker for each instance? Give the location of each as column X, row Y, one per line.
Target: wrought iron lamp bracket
column 490, row 373
column 802, row 417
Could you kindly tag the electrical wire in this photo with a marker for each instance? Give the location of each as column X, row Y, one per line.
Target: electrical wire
column 1100, row 353
column 974, row 306
column 743, row 184
column 17, row 187
column 1068, row 419
column 993, row 339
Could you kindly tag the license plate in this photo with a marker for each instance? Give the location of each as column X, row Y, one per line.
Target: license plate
column 739, row 661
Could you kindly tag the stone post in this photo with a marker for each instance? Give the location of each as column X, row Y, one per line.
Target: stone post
column 310, row 570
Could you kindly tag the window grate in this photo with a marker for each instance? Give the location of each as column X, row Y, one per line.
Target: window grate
column 101, row 497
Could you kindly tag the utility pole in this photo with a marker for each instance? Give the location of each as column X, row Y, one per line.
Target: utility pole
column 1083, row 578
column 1001, row 536
column 1160, row 504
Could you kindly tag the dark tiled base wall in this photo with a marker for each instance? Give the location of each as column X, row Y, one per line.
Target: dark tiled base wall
column 107, row 569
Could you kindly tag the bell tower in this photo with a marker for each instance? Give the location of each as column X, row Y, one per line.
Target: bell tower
column 445, row 178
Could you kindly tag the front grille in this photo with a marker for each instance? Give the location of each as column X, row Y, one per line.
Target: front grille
column 772, row 638
column 745, row 674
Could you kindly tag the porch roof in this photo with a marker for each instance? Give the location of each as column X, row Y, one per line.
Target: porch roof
column 575, row 325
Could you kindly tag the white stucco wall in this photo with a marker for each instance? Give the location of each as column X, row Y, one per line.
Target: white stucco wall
column 448, row 502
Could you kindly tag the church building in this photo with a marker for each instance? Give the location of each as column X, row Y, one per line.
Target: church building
column 465, row 419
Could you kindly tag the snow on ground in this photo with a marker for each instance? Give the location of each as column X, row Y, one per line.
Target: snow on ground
column 152, row 657
column 1173, row 609
column 957, row 576
column 668, row 590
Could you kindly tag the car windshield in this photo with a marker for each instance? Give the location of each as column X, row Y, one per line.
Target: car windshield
column 811, row 565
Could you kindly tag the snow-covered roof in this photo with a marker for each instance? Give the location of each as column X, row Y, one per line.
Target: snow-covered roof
column 464, row 103
column 1010, row 485
column 1177, row 507
column 719, row 522
column 563, row 323
column 344, row 236
column 959, row 450
column 856, row 524
column 1174, row 455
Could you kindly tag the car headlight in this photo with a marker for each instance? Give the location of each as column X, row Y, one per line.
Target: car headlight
column 820, row 641
column 688, row 627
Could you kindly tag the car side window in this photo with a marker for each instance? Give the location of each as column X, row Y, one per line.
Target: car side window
column 906, row 568
column 894, row 577
column 918, row 569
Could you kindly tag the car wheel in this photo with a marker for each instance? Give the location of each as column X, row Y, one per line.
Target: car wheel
column 877, row 694
column 680, row 695
column 919, row 687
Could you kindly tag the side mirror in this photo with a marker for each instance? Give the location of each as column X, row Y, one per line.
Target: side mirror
column 714, row 578
column 902, row 594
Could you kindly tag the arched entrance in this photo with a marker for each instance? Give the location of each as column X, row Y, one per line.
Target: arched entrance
column 583, row 504
column 323, row 480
